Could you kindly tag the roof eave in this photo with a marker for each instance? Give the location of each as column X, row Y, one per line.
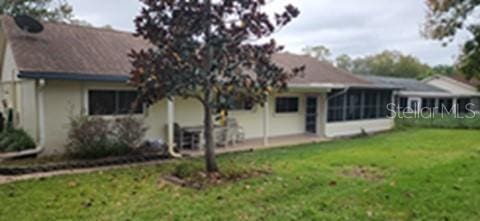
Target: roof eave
column 73, row 77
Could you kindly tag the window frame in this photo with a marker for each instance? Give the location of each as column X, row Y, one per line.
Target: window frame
column 295, row 110
column 117, row 112
column 359, row 105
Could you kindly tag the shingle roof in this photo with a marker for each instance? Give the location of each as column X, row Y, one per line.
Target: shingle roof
column 475, row 82
column 318, row 71
column 85, row 53
column 406, row 84
column 63, row 48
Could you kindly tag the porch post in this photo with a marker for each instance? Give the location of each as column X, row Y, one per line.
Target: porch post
column 322, row 115
column 437, row 106
column 455, row 105
column 266, row 122
column 170, row 128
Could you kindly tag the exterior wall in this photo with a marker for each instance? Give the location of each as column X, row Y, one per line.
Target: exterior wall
column 28, row 111
column 9, row 68
column 7, row 84
column 61, row 100
column 350, row 128
column 68, row 98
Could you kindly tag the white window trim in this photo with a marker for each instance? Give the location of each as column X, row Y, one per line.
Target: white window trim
column 86, row 97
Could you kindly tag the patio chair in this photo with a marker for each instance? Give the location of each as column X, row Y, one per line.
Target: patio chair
column 223, row 136
column 236, row 130
column 232, row 133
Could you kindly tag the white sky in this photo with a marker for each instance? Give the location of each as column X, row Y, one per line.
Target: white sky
column 353, row 27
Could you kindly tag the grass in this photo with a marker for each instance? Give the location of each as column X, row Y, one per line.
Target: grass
column 420, row 174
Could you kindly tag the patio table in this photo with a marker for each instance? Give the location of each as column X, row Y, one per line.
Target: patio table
column 199, row 130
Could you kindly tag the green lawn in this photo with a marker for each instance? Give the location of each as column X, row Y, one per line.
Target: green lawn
column 415, row 174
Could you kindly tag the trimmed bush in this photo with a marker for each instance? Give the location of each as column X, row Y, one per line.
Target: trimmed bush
column 14, row 140
column 129, row 131
column 95, row 137
column 440, row 121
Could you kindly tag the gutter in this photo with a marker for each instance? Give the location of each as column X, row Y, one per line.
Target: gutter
column 73, row 76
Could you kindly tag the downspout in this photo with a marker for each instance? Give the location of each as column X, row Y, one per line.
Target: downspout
column 170, row 119
column 41, row 126
column 41, row 111
column 344, row 91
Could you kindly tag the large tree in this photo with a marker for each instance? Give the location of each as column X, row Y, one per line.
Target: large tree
column 319, row 52
column 209, row 51
column 50, row 10
column 386, row 63
column 446, row 18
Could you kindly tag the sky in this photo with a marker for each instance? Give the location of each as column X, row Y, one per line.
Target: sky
column 353, row 27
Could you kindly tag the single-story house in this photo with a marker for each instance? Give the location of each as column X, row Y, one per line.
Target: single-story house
column 440, row 93
column 69, row 70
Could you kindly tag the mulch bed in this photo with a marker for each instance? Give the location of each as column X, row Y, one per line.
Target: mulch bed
column 86, row 164
column 201, row 180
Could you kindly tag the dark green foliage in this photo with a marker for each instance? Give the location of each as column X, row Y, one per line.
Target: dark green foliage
column 446, row 19
column 439, row 121
column 210, row 51
column 92, row 138
column 49, row 10
column 13, row 140
column 386, row 63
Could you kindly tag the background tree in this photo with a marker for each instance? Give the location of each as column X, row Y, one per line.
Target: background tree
column 446, row 18
column 447, row 70
column 344, row 62
column 49, row 10
column 205, row 50
column 388, row 63
column 319, row 52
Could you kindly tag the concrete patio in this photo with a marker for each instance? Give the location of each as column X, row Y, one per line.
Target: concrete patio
column 259, row 144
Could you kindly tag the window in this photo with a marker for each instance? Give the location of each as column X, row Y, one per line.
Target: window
column 402, row 103
column 354, row 109
column 109, row 102
column 385, row 99
column 463, row 105
column 286, row 105
column 358, row 105
column 336, row 108
column 428, row 104
column 445, row 105
column 370, row 110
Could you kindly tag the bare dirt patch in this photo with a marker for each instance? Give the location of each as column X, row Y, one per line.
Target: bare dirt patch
column 364, row 172
column 196, row 178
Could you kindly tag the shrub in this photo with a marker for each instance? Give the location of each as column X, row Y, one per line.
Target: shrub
column 440, row 121
column 95, row 137
column 14, row 140
column 129, row 131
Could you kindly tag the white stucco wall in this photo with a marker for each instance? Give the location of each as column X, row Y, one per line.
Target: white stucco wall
column 27, row 111
column 350, row 128
column 68, row 98
column 9, row 68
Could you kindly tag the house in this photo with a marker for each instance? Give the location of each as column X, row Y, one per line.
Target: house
column 464, row 90
column 440, row 93
column 69, row 70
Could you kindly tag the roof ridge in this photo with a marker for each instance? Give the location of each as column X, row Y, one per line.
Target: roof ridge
column 60, row 23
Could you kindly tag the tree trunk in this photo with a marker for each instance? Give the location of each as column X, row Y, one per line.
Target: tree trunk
column 210, row 161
